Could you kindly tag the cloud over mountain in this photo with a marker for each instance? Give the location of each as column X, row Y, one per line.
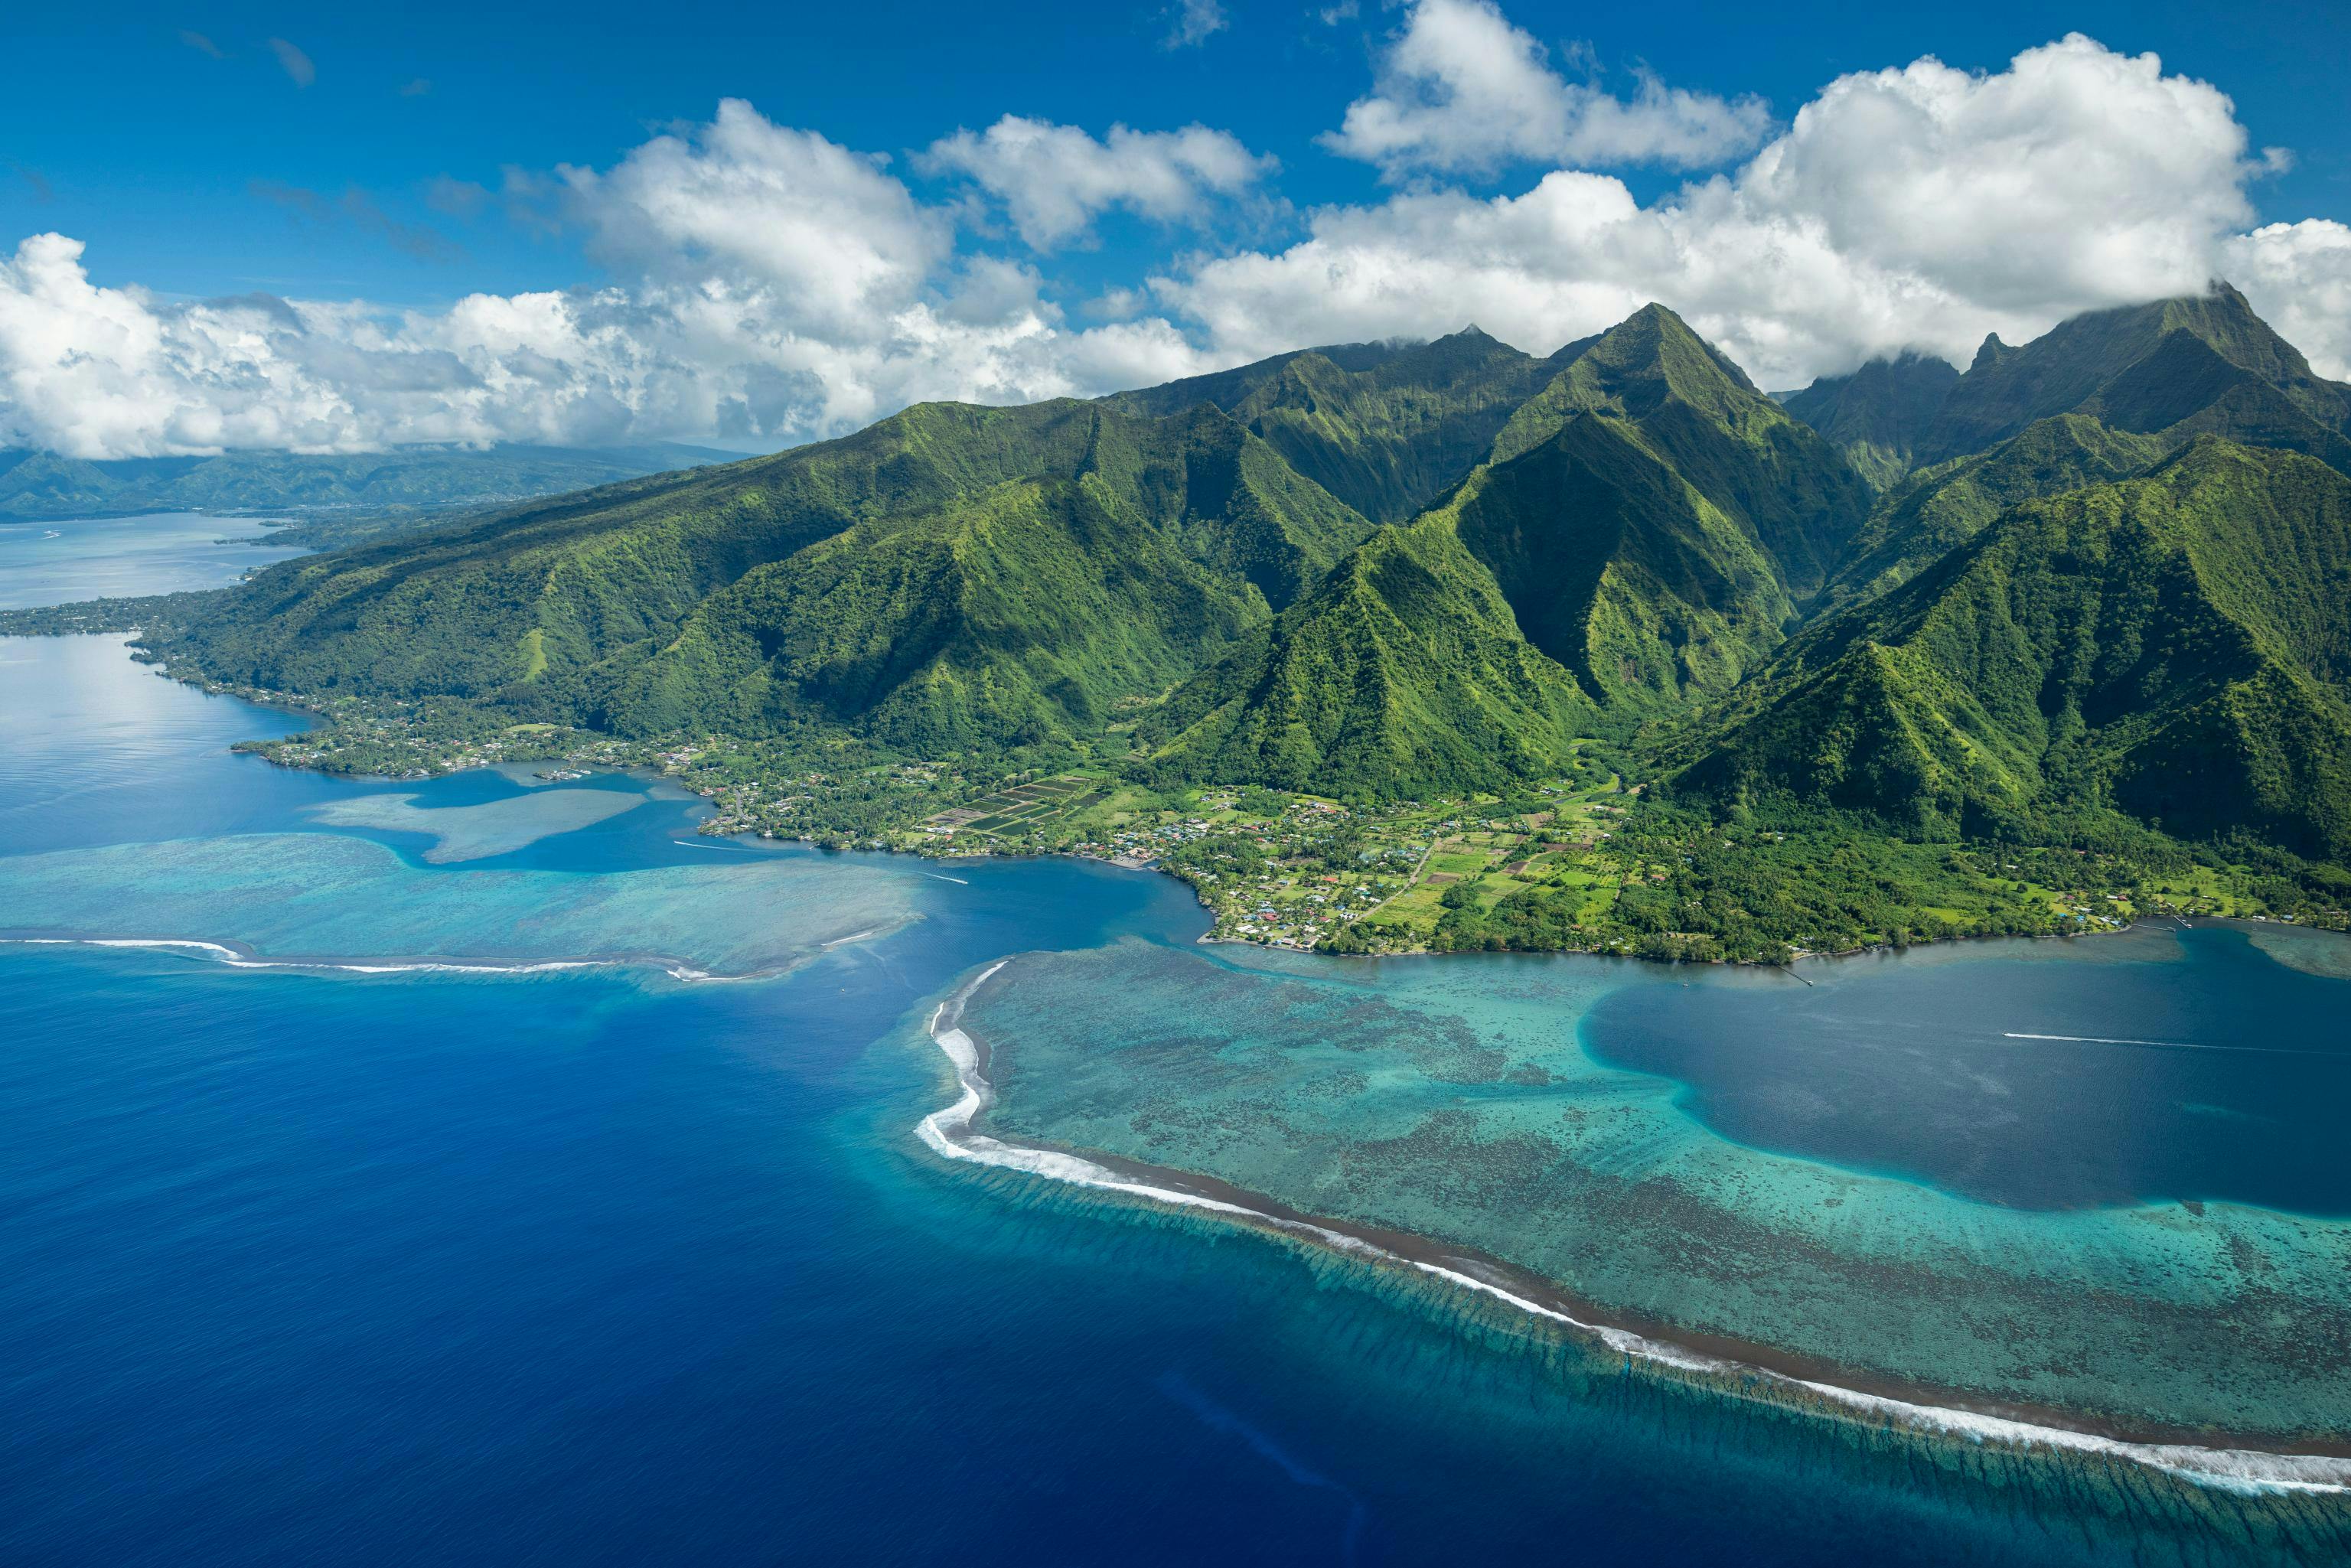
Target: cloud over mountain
column 767, row 283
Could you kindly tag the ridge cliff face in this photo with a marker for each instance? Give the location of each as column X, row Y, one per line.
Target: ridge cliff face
column 2102, row 571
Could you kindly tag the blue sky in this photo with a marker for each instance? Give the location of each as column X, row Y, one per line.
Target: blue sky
column 406, row 160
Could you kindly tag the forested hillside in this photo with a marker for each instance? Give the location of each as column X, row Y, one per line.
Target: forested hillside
column 2175, row 646
column 1648, row 524
column 2096, row 582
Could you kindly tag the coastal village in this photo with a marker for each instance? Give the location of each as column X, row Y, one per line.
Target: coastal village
column 1576, row 862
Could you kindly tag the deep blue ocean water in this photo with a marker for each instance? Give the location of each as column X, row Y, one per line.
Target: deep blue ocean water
column 596, row 1266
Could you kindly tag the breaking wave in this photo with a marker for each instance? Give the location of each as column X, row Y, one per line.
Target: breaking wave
column 949, row 1132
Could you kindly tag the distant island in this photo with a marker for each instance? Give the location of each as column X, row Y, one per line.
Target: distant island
column 1445, row 645
column 329, row 499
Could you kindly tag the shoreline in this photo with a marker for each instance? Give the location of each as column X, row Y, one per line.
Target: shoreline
column 298, row 706
column 1729, row 1365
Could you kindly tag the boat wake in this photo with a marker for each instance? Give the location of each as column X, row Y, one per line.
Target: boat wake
column 949, row 1132
column 2163, row 1044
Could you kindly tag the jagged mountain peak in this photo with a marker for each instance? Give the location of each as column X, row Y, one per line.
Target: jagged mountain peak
column 2204, row 360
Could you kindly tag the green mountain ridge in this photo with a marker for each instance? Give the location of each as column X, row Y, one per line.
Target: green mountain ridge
column 1385, row 428
column 2204, row 361
column 1398, row 570
column 778, row 591
column 1936, row 509
column 2197, row 365
column 2175, row 646
column 1878, row 415
column 1639, row 529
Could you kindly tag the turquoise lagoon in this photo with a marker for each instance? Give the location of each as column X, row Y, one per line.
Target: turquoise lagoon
column 1473, row 1105
column 438, row 1201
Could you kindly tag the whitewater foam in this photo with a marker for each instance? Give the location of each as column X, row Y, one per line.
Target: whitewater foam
column 947, row 1131
column 237, row 959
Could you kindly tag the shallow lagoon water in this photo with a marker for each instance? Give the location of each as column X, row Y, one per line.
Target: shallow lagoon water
column 1454, row 1101
column 601, row 1265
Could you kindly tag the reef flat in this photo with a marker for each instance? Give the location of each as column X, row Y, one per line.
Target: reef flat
column 1451, row 1105
column 295, row 898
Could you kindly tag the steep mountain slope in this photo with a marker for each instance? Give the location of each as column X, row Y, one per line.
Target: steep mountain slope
column 2175, row 646
column 615, row 607
column 1701, row 413
column 1386, row 429
column 35, row 484
column 1023, row 613
column 1934, row 511
column 2177, row 368
column 1627, row 532
column 1878, row 415
column 1404, row 674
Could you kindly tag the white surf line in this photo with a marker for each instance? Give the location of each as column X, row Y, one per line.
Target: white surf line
column 232, row 958
column 948, row 1132
column 853, row 937
column 957, row 880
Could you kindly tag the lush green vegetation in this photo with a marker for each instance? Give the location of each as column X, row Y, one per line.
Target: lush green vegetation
column 952, row 578
column 1279, row 628
column 1878, row 415
column 2200, row 365
column 1924, row 518
column 1630, row 550
column 2174, row 647
column 1385, row 428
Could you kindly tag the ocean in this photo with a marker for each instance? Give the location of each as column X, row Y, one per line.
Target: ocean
column 367, row 1233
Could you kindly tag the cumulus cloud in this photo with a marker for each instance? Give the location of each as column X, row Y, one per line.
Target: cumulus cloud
column 1054, row 180
column 1919, row 207
column 1461, row 89
column 780, row 287
column 2298, row 276
column 769, row 284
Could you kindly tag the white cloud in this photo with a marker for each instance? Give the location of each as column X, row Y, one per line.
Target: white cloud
column 1461, row 89
column 769, row 284
column 829, row 235
column 780, row 287
column 1919, row 207
column 1054, row 180
column 2298, row 277
column 1192, row 22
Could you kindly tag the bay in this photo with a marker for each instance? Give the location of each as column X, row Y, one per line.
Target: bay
column 74, row 559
